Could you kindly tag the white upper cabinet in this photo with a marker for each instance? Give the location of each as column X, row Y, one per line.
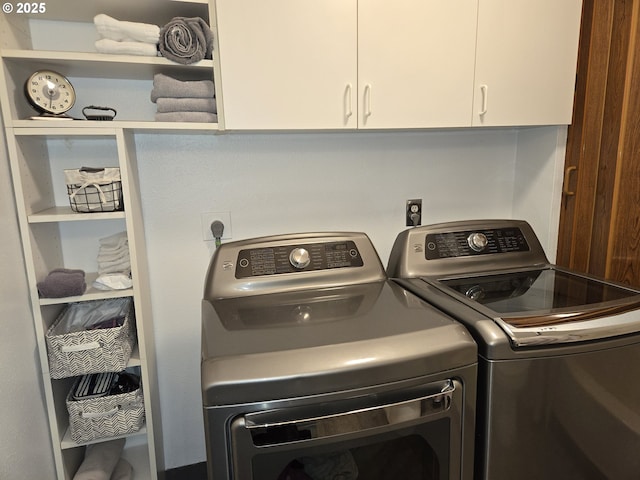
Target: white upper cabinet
column 288, row 64
column 374, row 64
column 526, row 62
column 415, row 63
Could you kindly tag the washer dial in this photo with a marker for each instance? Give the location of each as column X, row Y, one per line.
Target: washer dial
column 299, row 258
column 477, row 241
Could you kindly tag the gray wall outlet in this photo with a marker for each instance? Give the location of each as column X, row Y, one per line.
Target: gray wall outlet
column 414, row 212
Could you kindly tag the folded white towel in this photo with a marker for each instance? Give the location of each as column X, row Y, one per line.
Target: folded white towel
column 186, row 105
column 113, row 281
column 110, row 255
column 198, row 117
column 126, row 261
column 122, row 31
column 115, row 241
column 124, row 268
column 114, row 250
column 106, row 45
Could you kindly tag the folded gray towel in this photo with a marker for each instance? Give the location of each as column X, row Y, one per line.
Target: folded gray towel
column 100, row 460
column 186, row 40
column 198, row 117
column 165, row 86
column 187, row 105
column 62, row 282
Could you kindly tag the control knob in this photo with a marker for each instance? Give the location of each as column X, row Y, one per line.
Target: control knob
column 299, row 258
column 477, row 241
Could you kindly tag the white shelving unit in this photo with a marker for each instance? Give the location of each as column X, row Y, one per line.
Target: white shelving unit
column 54, row 236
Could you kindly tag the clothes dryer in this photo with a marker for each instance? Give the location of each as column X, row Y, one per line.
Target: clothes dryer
column 315, row 366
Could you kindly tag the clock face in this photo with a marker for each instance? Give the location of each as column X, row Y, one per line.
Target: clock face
column 50, row 92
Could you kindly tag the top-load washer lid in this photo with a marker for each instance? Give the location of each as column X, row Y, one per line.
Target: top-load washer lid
column 335, row 323
column 498, row 269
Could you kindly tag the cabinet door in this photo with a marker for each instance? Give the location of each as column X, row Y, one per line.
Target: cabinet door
column 526, row 62
column 415, row 63
column 288, row 64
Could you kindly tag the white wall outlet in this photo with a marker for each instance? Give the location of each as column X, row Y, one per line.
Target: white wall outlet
column 208, row 218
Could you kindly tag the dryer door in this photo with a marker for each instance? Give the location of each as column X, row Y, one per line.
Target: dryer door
column 414, row 434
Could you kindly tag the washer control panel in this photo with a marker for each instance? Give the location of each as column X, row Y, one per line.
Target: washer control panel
column 254, row 262
column 474, row 242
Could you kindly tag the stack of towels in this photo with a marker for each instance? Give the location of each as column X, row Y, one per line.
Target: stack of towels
column 126, row 38
column 184, row 101
column 114, row 263
column 103, row 461
column 182, row 40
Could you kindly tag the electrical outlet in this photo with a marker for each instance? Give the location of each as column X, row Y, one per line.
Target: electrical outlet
column 414, row 212
column 208, row 218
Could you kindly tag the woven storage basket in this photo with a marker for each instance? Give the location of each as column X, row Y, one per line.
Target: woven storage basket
column 94, row 189
column 91, row 351
column 104, row 417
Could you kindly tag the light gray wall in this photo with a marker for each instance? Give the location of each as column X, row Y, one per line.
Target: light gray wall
column 270, row 183
column 25, row 444
column 280, row 183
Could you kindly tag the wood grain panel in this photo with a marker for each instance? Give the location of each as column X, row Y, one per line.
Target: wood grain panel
column 584, row 145
column 624, row 239
column 615, row 98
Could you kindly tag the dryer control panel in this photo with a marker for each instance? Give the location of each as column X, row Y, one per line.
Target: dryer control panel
column 474, row 242
column 292, row 262
column 298, row 257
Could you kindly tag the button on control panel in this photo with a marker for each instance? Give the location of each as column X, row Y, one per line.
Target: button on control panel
column 468, row 243
column 297, row 258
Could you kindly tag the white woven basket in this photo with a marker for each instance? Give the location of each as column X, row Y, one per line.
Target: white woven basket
column 90, row 351
column 105, row 417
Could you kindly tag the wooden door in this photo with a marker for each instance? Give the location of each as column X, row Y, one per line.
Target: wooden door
column 600, row 215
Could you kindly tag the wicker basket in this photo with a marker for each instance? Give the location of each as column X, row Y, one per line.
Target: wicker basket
column 91, row 351
column 106, row 416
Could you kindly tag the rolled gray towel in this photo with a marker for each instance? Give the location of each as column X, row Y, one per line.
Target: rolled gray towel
column 198, row 117
column 62, row 282
column 166, row 105
column 165, row 86
column 100, row 460
column 186, row 40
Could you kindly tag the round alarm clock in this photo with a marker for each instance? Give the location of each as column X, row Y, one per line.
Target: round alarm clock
column 50, row 93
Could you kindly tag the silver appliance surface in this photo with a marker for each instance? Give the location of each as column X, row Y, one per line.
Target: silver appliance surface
column 557, row 349
column 296, row 327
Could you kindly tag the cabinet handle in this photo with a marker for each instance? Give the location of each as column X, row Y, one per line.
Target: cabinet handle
column 367, row 100
column 484, row 89
column 348, row 111
column 567, row 177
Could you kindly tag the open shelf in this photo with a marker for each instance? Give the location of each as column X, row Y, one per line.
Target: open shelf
column 100, row 65
column 92, row 293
